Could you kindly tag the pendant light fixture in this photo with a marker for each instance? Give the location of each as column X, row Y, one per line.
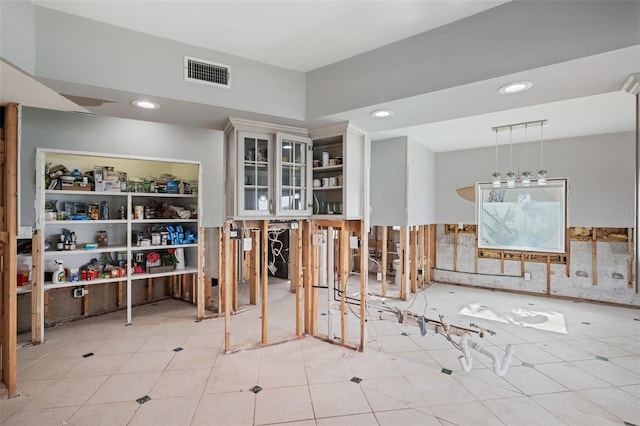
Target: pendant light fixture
column 524, row 179
column 511, row 177
column 526, row 175
column 542, row 173
column 495, row 177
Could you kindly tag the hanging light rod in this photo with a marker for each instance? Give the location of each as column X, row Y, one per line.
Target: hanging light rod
column 516, row 125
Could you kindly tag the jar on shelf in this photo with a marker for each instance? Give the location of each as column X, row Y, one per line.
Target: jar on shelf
column 102, row 239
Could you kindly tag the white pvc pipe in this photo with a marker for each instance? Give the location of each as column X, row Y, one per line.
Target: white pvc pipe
column 499, row 366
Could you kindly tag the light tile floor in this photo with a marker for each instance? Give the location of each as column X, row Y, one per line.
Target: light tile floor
column 591, row 375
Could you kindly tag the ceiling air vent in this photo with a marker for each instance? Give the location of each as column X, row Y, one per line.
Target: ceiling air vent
column 206, row 72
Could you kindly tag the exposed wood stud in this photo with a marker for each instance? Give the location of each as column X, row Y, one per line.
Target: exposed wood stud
column 265, row 281
column 594, row 256
column 413, row 274
column 224, row 282
column 384, row 259
column 37, row 276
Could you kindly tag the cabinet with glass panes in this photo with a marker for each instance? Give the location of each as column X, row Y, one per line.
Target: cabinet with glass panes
column 268, row 171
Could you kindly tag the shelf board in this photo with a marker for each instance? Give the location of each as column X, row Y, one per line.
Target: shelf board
column 164, row 221
column 81, row 193
column 327, row 168
column 160, row 194
column 85, row 222
column 327, row 188
column 160, row 247
column 107, row 249
column 24, row 289
column 48, row 285
column 186, row 270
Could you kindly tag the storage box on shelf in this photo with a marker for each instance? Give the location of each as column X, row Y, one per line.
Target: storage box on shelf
column 100, row 235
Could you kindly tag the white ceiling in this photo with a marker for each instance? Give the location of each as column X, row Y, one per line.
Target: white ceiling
column 578, row 97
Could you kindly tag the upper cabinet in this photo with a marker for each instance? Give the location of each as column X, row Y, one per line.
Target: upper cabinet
column 340, row 172
column 268, row 171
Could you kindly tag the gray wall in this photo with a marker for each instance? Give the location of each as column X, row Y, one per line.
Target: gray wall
column 421, row 185
column 17, row 34
column 388, row 180
column 474, row 49
column 78, row 132
column 82, row 51
column 402, row 183
column 600, row 170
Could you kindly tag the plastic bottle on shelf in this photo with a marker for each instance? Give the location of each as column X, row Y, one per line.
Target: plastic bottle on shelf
column 59, row 275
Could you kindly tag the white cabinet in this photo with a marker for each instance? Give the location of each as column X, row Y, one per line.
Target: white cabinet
column 111, row 234
column 340, row 172
column 268, row 171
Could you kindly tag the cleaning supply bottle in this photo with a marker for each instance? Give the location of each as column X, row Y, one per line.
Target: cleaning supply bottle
column 59, row 275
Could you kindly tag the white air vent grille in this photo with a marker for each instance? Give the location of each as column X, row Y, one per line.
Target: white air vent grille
column 206, row 72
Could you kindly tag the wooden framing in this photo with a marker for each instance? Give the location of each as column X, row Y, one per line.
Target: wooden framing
column 384, row 259
column 594, row 259
column 225, row 301
column 36, row 288
column 413, row 256
column 9, row 244
column 265, row 282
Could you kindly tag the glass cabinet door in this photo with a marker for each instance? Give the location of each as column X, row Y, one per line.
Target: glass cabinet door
column 255, row 174
column 293, row 175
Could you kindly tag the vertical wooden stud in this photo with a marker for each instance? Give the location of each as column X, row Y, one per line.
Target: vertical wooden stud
column 421, row 255
column 413, row 247
column 120, row 293
column 225, row 301
column 502, row 262
column 297, row 272
column 402, row 269
column 236, row 275
column 315, row 279
column 149, row 289
column 455, row 248
column 384, row 259
column 221, row 268
column 265, row 280
column 548, row 274
column 254, row 267
column 344, row 276
column 200, row 291
column 364, row 274
column 85, row 301
column 631, row 257
column 37, row 277
column 594, row 256
column 9, row 326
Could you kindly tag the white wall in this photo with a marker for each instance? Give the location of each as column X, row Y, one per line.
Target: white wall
column 87, row 133
column 600, row 170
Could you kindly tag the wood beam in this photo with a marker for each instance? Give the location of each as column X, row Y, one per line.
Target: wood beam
column 297, row 275
column 265, row 281
column 37, row 278
column 364, row 275
column 226, row 287
column 383, row 260
column 200, row 292
column 344, row 260
column 9, row 328
column 413, row 256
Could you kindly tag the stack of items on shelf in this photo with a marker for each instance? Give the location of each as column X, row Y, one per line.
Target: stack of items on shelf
column 106, row 179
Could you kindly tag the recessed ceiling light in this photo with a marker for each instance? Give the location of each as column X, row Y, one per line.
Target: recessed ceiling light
column 515, row 87
column 141, row 103
column 382, row 113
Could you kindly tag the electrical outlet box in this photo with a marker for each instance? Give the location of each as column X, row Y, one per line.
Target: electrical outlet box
column 294, row 225
column 79, row 292
column 273, row 268
column 234, row 234
column 460, row 226
column 354, row 243
column 527, row 276
column 379, row 276
column 246, row 244
column 318, row 239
